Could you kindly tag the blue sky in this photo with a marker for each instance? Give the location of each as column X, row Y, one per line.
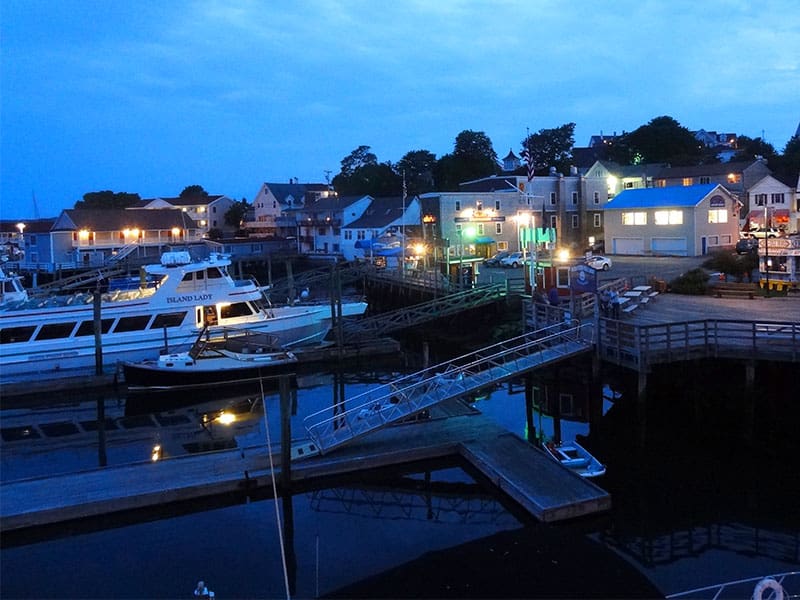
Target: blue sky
column 149, row 97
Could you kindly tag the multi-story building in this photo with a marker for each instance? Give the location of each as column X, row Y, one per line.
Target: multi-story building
column 275, row 205
column 773, row 202
column 207, row 212
column 319, row 223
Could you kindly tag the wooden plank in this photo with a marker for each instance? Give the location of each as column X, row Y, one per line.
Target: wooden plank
column 544, row 488
column 548, row 489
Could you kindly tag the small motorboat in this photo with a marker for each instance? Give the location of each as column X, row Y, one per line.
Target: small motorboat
column 212, row 365
column 576, row 458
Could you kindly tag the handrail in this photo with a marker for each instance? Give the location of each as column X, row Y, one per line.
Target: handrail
column 720, row 587
column 471, row 372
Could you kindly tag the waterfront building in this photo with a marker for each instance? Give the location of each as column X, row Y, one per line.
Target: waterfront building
column 679, row 221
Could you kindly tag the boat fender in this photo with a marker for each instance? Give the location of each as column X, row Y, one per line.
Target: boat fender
column 768, row 583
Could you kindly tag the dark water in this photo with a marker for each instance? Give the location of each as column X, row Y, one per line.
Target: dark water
column 693, row 505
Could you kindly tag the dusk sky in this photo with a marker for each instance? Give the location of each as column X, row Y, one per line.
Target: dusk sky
column 148, row 97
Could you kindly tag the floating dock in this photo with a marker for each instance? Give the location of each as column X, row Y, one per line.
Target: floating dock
column 526, row 474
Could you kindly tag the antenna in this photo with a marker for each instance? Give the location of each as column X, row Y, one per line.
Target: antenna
column 327, row 176
column 35, row 206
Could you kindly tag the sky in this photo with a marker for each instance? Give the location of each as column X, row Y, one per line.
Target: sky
column 149, row 97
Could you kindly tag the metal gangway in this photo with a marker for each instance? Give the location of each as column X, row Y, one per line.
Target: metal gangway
column 412, row 394
column 408, row 316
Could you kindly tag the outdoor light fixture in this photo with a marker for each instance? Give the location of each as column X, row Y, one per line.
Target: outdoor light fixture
column 155, row 455
column 563, row 255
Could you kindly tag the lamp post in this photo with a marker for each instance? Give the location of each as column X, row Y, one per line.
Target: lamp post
column 766, row 248
column 21, row 228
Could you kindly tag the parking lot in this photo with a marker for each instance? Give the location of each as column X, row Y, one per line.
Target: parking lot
column 636, row 268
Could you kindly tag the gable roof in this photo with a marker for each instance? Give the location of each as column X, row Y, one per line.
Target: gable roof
column 121, row 219
column 282, row 191
column 690, row 195
column 189, row 200
column 381, row 212
column 31, row 225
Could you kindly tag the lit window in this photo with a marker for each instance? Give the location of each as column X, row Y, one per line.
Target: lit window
column 668, row 217
column 687, row 181
column 634, row 218
column 718, row 215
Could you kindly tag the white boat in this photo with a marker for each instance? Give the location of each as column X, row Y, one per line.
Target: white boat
column 11, row 289
column 176, row 299
column 575, row 458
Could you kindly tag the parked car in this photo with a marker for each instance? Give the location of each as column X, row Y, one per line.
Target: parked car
column 746, row 245
column 514, row 260
column 599, row 263
column 494, row 261
column 760, row 232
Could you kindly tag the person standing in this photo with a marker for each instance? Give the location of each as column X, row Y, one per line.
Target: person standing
column 614, row 300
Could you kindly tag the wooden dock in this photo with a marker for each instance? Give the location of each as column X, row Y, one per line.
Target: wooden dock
column 526, row 474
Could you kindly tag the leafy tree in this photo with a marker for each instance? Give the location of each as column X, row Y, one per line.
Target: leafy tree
column 418, row 166
column 473, row 157
column 361, row 174
column 358, row 158
column 194, row 191
column 662, row 140
column 108, row 199
column 551, row 147
column 749, row 148
column 235, row 215
column 786, row 166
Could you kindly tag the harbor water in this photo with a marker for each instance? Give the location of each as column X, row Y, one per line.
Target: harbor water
column 692, row 506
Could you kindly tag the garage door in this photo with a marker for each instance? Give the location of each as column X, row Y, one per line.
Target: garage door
column 673, row 246
column 628, row 245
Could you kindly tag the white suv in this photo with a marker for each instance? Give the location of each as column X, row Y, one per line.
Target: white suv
column 515, row 259
column 758, row 232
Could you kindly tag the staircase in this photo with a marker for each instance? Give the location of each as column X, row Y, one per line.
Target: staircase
column 409, row 395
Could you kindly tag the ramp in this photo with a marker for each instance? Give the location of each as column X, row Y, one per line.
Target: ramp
column 412, row 394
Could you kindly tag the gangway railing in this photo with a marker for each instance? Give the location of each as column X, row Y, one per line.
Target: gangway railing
column 412, row 394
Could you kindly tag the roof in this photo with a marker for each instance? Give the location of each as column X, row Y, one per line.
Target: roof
column 282, row 191
column 121, row 219
column 381, row 212
column 511, row 155
column 31, row 225
column 709, row 169
column 189, row 200
column 690, row 195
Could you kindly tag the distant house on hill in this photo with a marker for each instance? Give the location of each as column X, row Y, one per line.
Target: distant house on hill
column 677, row 220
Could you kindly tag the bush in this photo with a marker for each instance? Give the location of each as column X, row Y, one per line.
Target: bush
column 692, row 282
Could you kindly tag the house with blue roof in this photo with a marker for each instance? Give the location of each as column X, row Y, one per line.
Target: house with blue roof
column 677, row 220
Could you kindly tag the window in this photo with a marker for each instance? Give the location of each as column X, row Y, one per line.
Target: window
column 553, row 221
column 497, row 204
column 661, row 183
column 237, row 309
column 348, row 234
column 634, row 218
column 596, row 219
column 596, row 198
column 361, row 234
column 55, row 330
column 574, row 221
column 761, row 199
column 87, row 327
column 777, row 199
column 11, row 335
column 734, row 178
column 552, row 198
column 498, row 228
column 687, row 181
column 705, row 180
column 168, row 320
column 668, row 217
column 718, row 215
column 458, row 205
column 574, row 197
column 562, row 277
column 480, row 229
column 501, row 246
column 213, row 274
column 132, row 323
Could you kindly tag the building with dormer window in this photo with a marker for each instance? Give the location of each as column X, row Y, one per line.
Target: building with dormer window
column 207, row 212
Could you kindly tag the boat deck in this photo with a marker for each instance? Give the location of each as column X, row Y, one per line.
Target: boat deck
column 526, row 474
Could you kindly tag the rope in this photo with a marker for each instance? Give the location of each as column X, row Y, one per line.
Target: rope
column 275, row 494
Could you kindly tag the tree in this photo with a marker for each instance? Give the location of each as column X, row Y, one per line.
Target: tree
column 473, row 157
column 361, row 174
column 108, row 199
column 551, row 147
column 235, row 215
column 749, row 148
column 358, row 158
column 418, row 166
column 786, row 166
column 194, row 191
column 662, row 140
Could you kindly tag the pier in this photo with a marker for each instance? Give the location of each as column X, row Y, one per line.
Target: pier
column 526, row 474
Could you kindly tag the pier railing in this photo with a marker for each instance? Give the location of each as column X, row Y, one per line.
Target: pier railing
column 412, row 394
column 640, row 345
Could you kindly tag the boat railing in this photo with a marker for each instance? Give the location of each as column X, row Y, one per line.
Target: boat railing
column 756, row 587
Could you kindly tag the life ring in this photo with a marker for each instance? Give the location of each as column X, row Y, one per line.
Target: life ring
column 768, row 583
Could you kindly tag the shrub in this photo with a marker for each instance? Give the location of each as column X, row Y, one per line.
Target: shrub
column 692, row 282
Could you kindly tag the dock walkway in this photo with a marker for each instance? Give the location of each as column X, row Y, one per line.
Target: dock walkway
column 531, row 478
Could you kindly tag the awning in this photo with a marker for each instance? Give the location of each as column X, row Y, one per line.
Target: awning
column 484, row 240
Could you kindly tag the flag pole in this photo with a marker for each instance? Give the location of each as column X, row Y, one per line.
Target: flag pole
column 403, row 225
